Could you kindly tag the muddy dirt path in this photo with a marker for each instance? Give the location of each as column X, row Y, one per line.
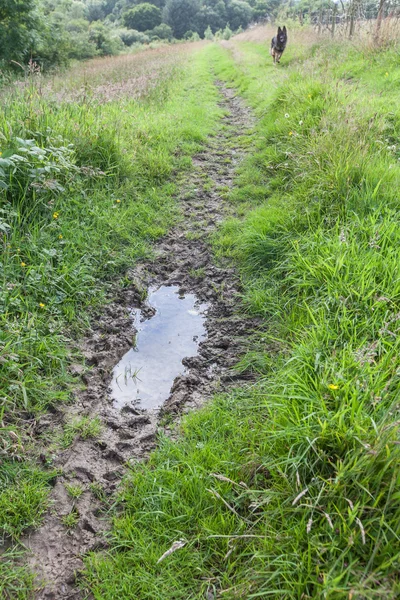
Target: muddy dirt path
column 183, row 258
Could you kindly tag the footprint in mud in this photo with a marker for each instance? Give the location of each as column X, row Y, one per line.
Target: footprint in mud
column 144, row 376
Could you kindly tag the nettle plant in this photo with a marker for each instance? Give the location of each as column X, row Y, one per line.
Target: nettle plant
column 28, row 168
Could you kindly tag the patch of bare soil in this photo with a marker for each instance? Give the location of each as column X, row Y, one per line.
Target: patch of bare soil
column 182, row 258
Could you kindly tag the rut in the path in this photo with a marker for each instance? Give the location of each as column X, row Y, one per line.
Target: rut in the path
column 183, row 258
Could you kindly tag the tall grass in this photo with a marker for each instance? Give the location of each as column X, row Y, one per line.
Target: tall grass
column 289, row 488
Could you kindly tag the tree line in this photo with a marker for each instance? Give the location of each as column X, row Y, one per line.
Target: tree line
column 52, row 32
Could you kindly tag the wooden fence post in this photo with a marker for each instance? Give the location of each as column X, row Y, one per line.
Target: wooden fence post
column 320, row 21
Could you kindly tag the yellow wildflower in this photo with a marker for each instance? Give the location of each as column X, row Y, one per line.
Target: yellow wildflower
column 387, row 74
column 332, row 386
column 290, row 132
column 23, row 264
column 118, row 201
column 1, row 153
column 60, row 237
column 55, row 215
column 41, row 305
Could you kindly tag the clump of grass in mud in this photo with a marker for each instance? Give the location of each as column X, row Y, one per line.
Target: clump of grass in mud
column 98, row 491
column 71, row 520
column 288, row 489
column 82, row 427
column 84, row 191
column 74, row 490
column 197, row 273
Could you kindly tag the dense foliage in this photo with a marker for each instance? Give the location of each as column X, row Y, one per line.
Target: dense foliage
column 52, row 32
column 143, row 17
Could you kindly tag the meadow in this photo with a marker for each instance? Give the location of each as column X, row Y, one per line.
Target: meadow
column 286, row 488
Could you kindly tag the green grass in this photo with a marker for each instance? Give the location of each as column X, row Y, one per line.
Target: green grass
column 82, row 427
column 71, row 520
column 15, row 581
column 289, row 489
column 86, row 186
column 23, row 496
column 75, row 491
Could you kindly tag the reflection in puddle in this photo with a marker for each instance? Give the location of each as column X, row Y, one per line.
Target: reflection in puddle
column 144, row 376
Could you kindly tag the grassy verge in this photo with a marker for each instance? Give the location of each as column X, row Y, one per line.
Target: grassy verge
column 85, row 187
column 289, row 489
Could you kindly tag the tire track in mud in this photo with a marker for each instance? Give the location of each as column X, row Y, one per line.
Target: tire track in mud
column 183, row 258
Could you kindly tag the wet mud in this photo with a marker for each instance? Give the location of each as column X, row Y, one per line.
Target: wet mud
column 183, row 265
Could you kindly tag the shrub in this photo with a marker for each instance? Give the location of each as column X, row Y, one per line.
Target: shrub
column 132, row 36
column 81, row 44
column 162, row 32
column 107, row 42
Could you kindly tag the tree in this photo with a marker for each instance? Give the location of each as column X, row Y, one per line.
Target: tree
column 181, row 15
column 227, row 32
column 208, row 34
column 240, row 13
column 18, row 29
column 143, row 17
column 96, row 10
column 51, row 45
column 380, row 15
column 213, row 15
column 260, row 10
column 353, row 11
column 77, row 11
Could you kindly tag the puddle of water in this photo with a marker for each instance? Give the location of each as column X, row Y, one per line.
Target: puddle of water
column 144, row 376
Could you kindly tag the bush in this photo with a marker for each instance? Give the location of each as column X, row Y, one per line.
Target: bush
column 81, row 45
column 143, row 17
column 107, row 42
column 161, row 32
column 132, row 36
